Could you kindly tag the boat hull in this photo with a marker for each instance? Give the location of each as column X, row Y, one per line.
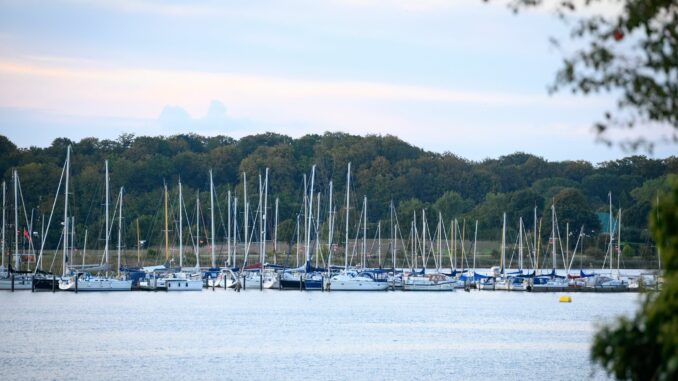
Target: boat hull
column 20, row 283
column 176, row 285
column 356, row 284
column 97, row 284
column 447, row 286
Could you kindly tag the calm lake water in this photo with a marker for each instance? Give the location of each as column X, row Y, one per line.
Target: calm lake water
column 291, row 335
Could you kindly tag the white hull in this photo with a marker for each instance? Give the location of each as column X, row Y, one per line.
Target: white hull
column 429, row 287
column 502, row 284
column 218, row 282
column 486, row 285
column 96, row 284
column 344, row 282
column 271, row 281
column 518, row 286
column 183, row 285
column 430, row 282
column 20, row 283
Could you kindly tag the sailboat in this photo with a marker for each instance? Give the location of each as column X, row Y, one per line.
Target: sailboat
column 551, row 282
column 502, row 282
column 349, row 279
column 518, row 282
column 13, row 278
column 436, row 281
column 82, row 281
column 612, row 283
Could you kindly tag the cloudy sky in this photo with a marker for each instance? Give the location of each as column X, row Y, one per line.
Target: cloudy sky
column 459, row 76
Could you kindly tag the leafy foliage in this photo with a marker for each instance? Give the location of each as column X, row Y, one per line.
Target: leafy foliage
column 384, row 169
column 632, row 53
column 645, row 346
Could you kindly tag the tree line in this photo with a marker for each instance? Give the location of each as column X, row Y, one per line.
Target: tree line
column 385, row 169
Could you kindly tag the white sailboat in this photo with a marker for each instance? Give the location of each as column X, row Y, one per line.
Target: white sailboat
column 503, row 282
column 551, row 282
column 85, row 281
column 12, row 279
column 428, row 282
column 350, row 280
column 519, row 283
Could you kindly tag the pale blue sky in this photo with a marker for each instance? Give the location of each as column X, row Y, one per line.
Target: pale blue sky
column 459, row 76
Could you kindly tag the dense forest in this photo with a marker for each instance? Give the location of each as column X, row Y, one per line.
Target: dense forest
column 384, row 169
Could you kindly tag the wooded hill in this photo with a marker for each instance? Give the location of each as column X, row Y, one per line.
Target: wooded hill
column 384, row 169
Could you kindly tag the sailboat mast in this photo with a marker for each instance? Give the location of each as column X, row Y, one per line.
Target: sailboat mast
column 212, row 219
column 197, row 229
column 393, row 250
column 348, row 192
column 246, row 219
column 553, row 234
column 364, row 232
column 454, row 228
column 235, row 230
column 619, row 241
column 16, row 223
column 534, row 233
column 68, row 165
column 317, row 231
column 611, row 231
column 463, row 248
column 520, row 245
column 379, row 242
column 265, row 215
column 567, row 243
column 475, row 244
column 107, row 235
column 413, row 231
column 84, row 250
column 275, row 231
column 440, row 240
column 503, row 246
column 120, row 230
column 181, row 227
column 166, row 228
column 423, row 238
column 298, row 236
column 330, row 231
column 310, row 218
column 261, row 223
column 228, row 231
column 4, row 190
column 396, row 229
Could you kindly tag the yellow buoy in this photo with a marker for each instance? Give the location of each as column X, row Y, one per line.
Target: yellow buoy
column 565, row 299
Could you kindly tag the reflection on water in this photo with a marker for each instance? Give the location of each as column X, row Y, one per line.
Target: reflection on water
column 295, row 335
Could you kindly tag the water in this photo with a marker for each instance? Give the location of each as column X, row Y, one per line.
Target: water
column 292, row 335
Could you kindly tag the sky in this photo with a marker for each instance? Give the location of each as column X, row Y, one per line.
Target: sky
column 456, row 76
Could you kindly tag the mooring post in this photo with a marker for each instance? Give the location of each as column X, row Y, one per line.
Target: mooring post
column 244, row 283
column 301, row 282
column 76, row 283
column 53, row 282
column 12, row 282
column 32, row 284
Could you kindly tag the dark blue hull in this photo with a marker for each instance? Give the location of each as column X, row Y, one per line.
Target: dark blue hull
column 313, row 284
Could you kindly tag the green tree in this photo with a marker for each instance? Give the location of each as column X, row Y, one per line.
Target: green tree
column 452, row 205
column 632, row 54
column 572, row 208
column 645, row 346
